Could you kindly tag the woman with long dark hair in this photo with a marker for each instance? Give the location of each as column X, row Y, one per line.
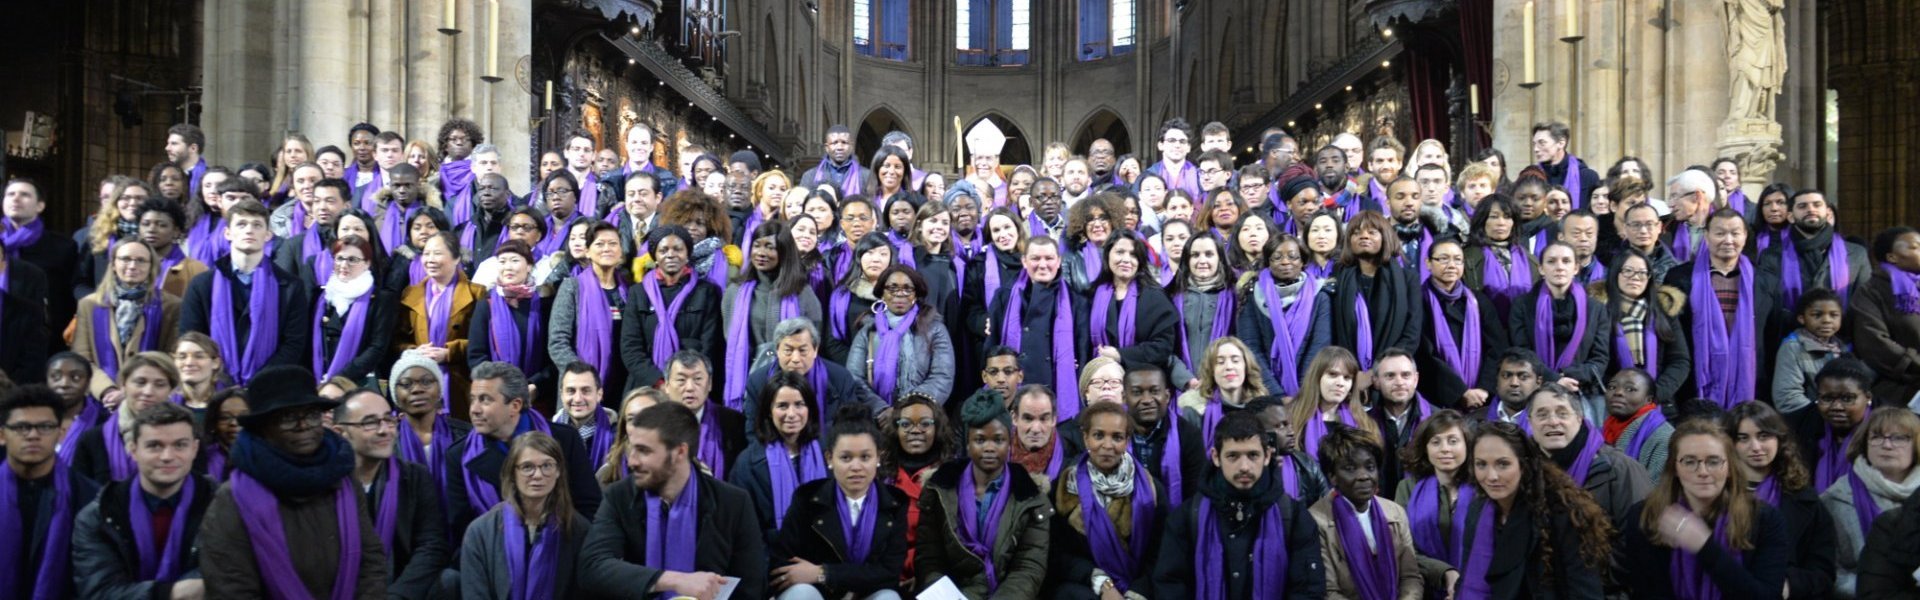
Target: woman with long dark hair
column 1770, row 460
column 1701, row 533
column 1532, row 530
column 1496, row 265
column 997, row 267
column 785, row 452
column 772, row 289
column 1132, row 319
column 1203, row 300
column 857, row 291
column 1647, row 334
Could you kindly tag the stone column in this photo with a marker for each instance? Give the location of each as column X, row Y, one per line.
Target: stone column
column 324, row 89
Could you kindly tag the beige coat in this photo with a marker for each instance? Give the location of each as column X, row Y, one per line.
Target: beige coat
column 83, row 336
column 1340, row 585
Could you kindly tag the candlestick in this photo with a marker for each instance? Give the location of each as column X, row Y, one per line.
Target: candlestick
column 1473, row 99
column 1572, row 34
column 549, row 95
column 493, row 43
column 1529, row 77
column 449, row 23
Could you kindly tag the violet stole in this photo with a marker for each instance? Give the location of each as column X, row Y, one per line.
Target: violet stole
column 977, row 532
column 1129, row 311
column 119, row 464
column 739, row 334
column 1376, row 573
column 164, row 564
column 1648, row 425
column 456, row 180
column 1682, row 244
column 1724, row 360
column 206, row 241
column 1104, row 538
column 1170, row 457
column 325, row 368
column 1269, row 559
column 89, row 414
column 991, row 274
column 409, row 448
column 167, row 264
column 260, row 512
column 588, row 202
column 533, row 578
column 440, row 326
column 1838, row 274
column 1477, row 554
column 1543, row 331
column 393, row 223
column 1583, row 460
column 1316, row 428
column 711, row 451
column 1690, row 581
column 593, row 323
column 1289, row 476
column 1769, row 490
column 313, row 251
column 15, row 237
column 849, row 185
column 1462, row 356
column 857, row 533
column 50, row 576
column 1223, row 308
column 885, row 358
column 1065, row 369
column 1362, row 332
column 481, row 496
column 837, row 306
column 104, row 333
column 674, row 529
column 1506, row 283
column 506, row 342
column 1091, row 261
column 1906, row 292
column 1423, row 518
column 1290, row 326
column 386, row 516
column 786, row 474
column 263, row 335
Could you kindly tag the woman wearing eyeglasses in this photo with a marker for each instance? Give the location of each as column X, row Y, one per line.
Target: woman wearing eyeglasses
column 526, row 546
column 1647, row 333
column 353, row 319
column 917, row 441
column 1701, row 533
column 1882, row 457
column 126, row 315
column 902, row 346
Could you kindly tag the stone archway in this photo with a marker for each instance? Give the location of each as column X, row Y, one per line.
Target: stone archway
column 1103, row 123
column 877, row 123
column 1019, row 148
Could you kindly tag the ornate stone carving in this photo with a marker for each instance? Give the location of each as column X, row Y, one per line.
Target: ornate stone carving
column 1756, row 57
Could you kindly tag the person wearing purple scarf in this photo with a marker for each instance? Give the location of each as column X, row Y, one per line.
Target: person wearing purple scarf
column 771, row 290
column 1702, row 535
column 1170, row 447
column 1647, row 333
column 1037, row 314
column 149, row 378
column 1523, row 512
column 1769, row 460
column 669, row 529
column 1435, row 492
column 1287, row 317
column 1496, row 264
column 502, row 410
column 1458, row 354
column 868, row 553
column 1091, row 223
column 1635, row 422
column 668, row 310
column 1563, row 325
column 1733, row 314
column 984, row 521
column 589, row 307
column 1612, row 479
column 1813, row 254
column 254, row 312
column 458, row 139
column 39, row 497
column 903, row 346
column 1133, row 318
column 1561, row 166
column 838, row 167
column 1364, row 539
column 1886, row 315
column 1106, row 532
column 785, row 453
column 425, row 436
column 581, row 406
column 126, row 315
column 402, row 495
column 1382, row 294
column 290, row 524
column 526, row 546
column 137, row 539
column 435, row 314
column 353, row 318
column 1241, row 537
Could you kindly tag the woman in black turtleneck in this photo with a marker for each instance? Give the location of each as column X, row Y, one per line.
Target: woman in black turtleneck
column 1381, row 294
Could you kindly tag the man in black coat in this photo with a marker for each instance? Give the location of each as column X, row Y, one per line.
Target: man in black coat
column 500, row 406
column 689, row 382
column 797, row 350
column 401, row 495
column 247, row 237
column 107, row 560
column 33, row 483
column 717, row 517
column 1149, row 400
column 1239, row 496
column 1726, row 237
column 1039, row 303
column 26, row 239
column 23, row 320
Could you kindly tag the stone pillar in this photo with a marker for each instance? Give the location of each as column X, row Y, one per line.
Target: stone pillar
column 323, row 86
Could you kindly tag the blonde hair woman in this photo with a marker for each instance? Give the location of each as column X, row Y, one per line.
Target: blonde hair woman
column 295, row 150
column 1328, row 394
column 147, row 379
column 1229, row 374
column 125, row 315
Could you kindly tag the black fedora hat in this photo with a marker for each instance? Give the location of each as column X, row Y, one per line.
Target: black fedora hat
column 279, row 388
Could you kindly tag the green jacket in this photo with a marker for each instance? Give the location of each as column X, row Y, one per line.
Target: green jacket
column 1019, row 548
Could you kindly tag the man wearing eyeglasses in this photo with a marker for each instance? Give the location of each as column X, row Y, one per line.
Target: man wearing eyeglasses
column 400, row 494
column 1216, row 173
column 1690, row 195
column 290, row 522
column 42, row 498
column 1640, row 230
column 1175, row 141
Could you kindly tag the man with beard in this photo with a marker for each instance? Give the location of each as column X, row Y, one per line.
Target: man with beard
column 1330, row 166
column 501, row 403
column 1397, row 406
column 706, row 531
column 1415, row 223
column 1171, row 448
column 458, row 138
column 837, row 166
column 1175, row 140
column 1241, row 537
column 299, row 255
column 1813, row 263
column 111, row 558
column 1049, row 214
column 1100, row 160
column 1519, row 374
column 487, row 227
column 186, row 148
column 1562, row 167
column 1299, row 472
column 605, row 162
column 42, row 497
column 1385, row 159
column 1076, row 179
column 402, row 496
column 290, row 522
column 1038, row 446
column 1038, row 316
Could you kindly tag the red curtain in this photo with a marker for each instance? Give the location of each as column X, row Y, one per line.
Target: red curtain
column 1476, row 40
column 1427, row 88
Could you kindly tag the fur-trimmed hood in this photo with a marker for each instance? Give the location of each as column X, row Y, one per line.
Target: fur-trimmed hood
column 1669, row 299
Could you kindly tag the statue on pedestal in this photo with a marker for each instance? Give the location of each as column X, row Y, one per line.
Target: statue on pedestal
column 1756, row 57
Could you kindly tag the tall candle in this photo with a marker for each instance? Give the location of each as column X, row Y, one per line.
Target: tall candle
column 447, row 18
column 1526, row 43
column 1473, row 99
column 549, row 94
column 1573, row 20
column 493, row 38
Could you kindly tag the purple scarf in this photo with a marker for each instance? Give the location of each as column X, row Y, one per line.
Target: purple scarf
column 740, row 334
column 1583, row 460
column 529, row 577
column 263, row 309
column 603, row 433
column 787, row 474
column 216, row 463
column 858, row 534
column 1833, row 458
column 1316, row 428
column 1649, row 347
column 849, row 183
column 1065, row 369
column 1562, row 358
column 1269, row 559
column 1511, row 281
column 119, row 464
column 260, row 512
column 1691, row 582
column 393, row 223
column 1423, row 517
column 1376, row 573
column 666, row 337
column 1648, row 425
column 837, row 313
column 673, row 532
column 1463, row 356
column 589, row 201
column 1682, row 244
column 206, row 240
column 1129, row 311
column 1864, row 507
column 1571, row 181
column 593, row 323
column 1223, row 307
column 1290, row 328
column 456, row 180
column 50, row 576
column 89, row 414
column 386, row 517
column 173, row 258
column 163, row 565
column 1170, row 458
column 1723, row 356
column 506, row 342
column 977, row 533
column 1183, row 177
column 314, row 251
column 1362, row 332
column 1769, row 490
column 481, row 496
column 1837, row 272
column 1478, row 554
column 1091, row 262
column 1122, row 562
column 106, row 351
column 712, row 452
column 991, row 276
column 15, row 237
column 556, row 240
column 1906, row 293
column 351, row 334
column 887, row 342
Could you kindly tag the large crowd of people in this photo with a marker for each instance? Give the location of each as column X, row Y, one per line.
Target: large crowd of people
column 1351, row 371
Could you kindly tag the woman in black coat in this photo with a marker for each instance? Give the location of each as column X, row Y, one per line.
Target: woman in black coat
column 1770, row 461
column 1586, row 362
column 353, row 311
column 1141, row 327
column 1305, row 312
column 1368, row 276
column 1447, row 300
column 1701, row 529
column 820, row 545
column 695, row 325
column 1530, row 514
column 1652, row 309
column 514, row 291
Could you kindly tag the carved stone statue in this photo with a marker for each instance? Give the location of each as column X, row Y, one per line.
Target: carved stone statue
column 1756, row 57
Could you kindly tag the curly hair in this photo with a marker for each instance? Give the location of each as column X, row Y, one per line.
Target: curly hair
column 1082, row 213
column 460, row 124
column 1788, row 466
column 693, row 206
column 1250, row 389
column 945, row 441
column 1547, row 490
